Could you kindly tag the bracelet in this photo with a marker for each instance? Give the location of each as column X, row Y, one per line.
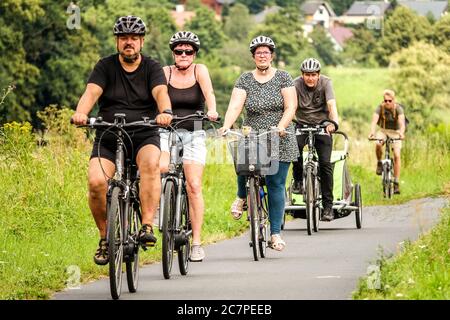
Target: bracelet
column 168, row 111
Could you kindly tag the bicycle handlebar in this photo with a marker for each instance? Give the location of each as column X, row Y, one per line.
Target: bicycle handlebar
column 384, row 140
column 228, row 131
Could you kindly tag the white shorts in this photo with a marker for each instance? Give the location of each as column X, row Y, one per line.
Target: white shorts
column 384, row 133
column 194, row 144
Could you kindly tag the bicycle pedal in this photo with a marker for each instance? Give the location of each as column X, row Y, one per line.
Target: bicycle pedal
column 250, row 244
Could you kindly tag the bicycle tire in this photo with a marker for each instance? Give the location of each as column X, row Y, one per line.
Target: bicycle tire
column 264, row 228
column 132, row 263
column 385, row 182
column 358, row 203
column 115, row 243
column 185, row 226
column 317, row 209
column 168, row 230
column 253, row 213
column 309, row 201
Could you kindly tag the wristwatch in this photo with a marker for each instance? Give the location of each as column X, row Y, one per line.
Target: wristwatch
column 168, row 111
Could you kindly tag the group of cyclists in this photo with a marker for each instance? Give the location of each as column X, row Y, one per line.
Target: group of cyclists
column 131, row 83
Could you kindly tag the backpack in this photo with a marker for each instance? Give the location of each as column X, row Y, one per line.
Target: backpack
column 382, row 119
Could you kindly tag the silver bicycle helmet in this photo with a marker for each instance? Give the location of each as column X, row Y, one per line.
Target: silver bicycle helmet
column 129, row 25
column 310, row 65
column 187, row 37
column 261, row 41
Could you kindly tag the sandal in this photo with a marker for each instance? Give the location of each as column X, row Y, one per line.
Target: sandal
column 237, row 208
column 277, row 243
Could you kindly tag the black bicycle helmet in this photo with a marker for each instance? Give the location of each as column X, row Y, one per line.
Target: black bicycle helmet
column 129, row 25
column 261, row 41
column 187, row 37
column 310, row 65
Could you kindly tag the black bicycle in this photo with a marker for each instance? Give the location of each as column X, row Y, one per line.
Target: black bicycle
column 123, row 205
column 174, row 204
column 387, row 173
column 252, row 155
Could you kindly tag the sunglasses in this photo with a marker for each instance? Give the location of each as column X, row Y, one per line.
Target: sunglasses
column 387, row 101
column 180, row 52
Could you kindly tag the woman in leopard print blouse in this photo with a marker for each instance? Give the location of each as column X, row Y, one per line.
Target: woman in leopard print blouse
column 270, row 100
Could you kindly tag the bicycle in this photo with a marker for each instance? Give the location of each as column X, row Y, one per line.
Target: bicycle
column 174, row 204
column 123, row 205
column 387, row 173
column 251, row 159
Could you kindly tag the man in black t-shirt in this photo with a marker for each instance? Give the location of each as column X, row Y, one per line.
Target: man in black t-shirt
column 316, row 105
column 130, row 83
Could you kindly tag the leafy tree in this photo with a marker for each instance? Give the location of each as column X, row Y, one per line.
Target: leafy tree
column 341, row 6
column 419, row 75
column 238, row 22
column 402, row 28
column 208, row 29
column 361, row 48
column 255, row 6
column 441, row 33
column 324, row 47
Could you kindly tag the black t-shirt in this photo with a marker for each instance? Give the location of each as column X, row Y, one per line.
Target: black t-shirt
column 127, row 92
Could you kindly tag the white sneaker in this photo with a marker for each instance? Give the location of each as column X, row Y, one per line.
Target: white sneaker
column 197, row 253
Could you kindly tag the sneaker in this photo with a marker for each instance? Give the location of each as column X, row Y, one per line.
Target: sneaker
column 101, row 256
column 328, row 214
column 237, row 208
column 379, row 168
column 276, row 242
column 146, row 236
column 197, row 253
column 297, row 187
column 396, row 188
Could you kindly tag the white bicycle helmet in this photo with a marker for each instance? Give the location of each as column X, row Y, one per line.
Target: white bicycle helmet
column 310, row 65
column 261, row 41
column 187, row 37
column 129, row 25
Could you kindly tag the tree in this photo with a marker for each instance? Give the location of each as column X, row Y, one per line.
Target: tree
column 238, row 22
column 402, row 28
column 208, row 29
column 255, row 6
column 341, row 6
column 419, row 75
column 324, row 47
column 441, row 33
column 361, row 48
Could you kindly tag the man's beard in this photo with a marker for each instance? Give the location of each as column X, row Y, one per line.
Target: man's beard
column 129, row 58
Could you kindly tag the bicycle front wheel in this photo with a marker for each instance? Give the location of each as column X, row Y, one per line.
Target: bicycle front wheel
column 309, row 201
column 168, row 230
column 132, row 262
column 186, row 232
column 264, row 228
column 252, row 205
column 115, row 243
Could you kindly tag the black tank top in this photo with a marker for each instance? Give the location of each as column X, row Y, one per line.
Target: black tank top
column 187, row 101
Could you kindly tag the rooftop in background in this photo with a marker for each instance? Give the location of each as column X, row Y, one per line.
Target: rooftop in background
column 423, row 8
column 310, row 7
column 368, row 8
column 340, row 34
column 261, row 16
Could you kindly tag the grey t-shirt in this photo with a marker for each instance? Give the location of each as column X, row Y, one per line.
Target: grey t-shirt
column 389, row 121
column 312, row 102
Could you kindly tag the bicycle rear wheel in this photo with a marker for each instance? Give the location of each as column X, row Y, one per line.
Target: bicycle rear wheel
column 186, row 232
column 358, row 203
column 132, row 263
column 115, row 243
column 253, row 212
column 264, row 228
column 168, row 230
column 309, row 201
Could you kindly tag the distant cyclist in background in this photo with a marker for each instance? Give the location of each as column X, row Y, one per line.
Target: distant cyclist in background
column 268, row 95
column 189, row 86
column 316, row 105
column 390, row 118
column 130, row 83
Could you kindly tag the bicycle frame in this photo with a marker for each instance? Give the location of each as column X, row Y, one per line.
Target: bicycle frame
column 387, row 176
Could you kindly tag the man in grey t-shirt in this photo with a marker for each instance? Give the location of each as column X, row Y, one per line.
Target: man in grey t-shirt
column 316, row 105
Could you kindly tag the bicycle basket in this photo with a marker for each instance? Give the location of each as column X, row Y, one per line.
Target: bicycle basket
column 251, row 155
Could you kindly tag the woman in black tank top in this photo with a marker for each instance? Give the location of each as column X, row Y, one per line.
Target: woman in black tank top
column 189, row 87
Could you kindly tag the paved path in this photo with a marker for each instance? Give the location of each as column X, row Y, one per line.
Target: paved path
column 326, row 265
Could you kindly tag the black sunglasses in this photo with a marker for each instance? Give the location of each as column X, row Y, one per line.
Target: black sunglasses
column 180, row 52
column 388, row 101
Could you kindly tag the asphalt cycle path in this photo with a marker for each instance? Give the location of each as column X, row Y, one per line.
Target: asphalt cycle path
column 326, row 265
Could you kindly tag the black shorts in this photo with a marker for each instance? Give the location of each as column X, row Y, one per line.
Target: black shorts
column 108, row 144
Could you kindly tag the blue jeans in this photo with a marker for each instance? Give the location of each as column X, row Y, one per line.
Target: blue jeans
column 275, row 190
